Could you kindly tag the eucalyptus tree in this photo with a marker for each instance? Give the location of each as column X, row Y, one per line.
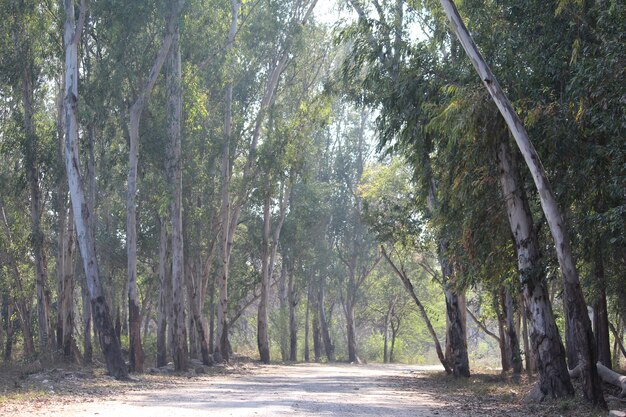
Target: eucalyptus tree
column 577, row 316
column 27, row 27
column 287, row 20
column 390, row 73
column 109, row 341
column 355, row 246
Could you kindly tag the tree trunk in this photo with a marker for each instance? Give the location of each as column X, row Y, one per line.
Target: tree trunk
column 505, row 347
column 325, row 332
column 67, row 301
column 283, row 313
column 411, row 290
column 618, row 335
column 174, row 168
column 21, row 304
column 36, row 210
column 386, row 324
column 201, row 327
column 351, row 331
column 87, row 314
column 546, row 342
column 7, row 315
column 262, row 330
column 293, row 325
column 456, row 337
column 226, row 236
column 574, row 299
column 165, row 281
column 601, row 319
column 516, row 359
column 529, row 355
column 306, row 325
column 102, row 317
column 317, row 332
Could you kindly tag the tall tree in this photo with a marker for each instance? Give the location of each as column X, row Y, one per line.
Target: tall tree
column 109, row 341
column 575, row 302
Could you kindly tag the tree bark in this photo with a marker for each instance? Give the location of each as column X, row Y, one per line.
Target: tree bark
column 67, row 301
column 220, row 352
column 554, row 379
column 323, row 323
column 574, row 299
column 7, row 315
column 529, row 355
column 87, row 317
column 174, row 169
column 306, row 325
column 601, row 319
column 165, row 281
column 516, row 359
column 618, row 340
column 505, row 347
column 283, row 312
column 293, row 325
column 316, row 330
column 102, row 317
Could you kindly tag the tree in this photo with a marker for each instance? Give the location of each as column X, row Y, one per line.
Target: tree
column 577, row 315
column 109, row 341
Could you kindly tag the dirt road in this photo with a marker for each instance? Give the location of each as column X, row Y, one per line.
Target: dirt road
column 295, row 391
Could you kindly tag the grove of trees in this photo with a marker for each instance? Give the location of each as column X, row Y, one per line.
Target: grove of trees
column 378, row 180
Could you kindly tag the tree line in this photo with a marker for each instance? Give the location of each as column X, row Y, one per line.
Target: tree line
column 169, row 166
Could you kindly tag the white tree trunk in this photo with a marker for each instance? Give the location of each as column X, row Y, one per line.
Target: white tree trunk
column 102, row 318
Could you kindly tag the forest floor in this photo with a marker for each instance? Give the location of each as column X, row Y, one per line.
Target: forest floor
column 245, row 388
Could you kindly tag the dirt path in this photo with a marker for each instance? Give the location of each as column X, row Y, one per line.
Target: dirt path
column 295, row 391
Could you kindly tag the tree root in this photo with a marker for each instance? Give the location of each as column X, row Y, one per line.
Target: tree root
column 607, row 375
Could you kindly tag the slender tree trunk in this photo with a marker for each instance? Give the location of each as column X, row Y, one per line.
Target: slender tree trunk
column 293, row 325
column 62, row 223
column 324, row 330
column 411, row 290
column 198, row 319
column 67, row 304
column 36, row 211
column 87, row 343
column 21, row 303
column 394, row 334
column 102, row 317
column 174, row 79
column 544, row 335
column 283, row 315
column 262, row 330
column 529, row 356
column 136, row 351
column 164, row 296
column 221, row 346
column 601, row 319
column 456, row 356
column 386, row 325
column 351, row 331
column 307, row 357
column 212, row 316
column 574, row 299
column 505, row 349
column 317, row 332
column 7, row 314
column 516, row 359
